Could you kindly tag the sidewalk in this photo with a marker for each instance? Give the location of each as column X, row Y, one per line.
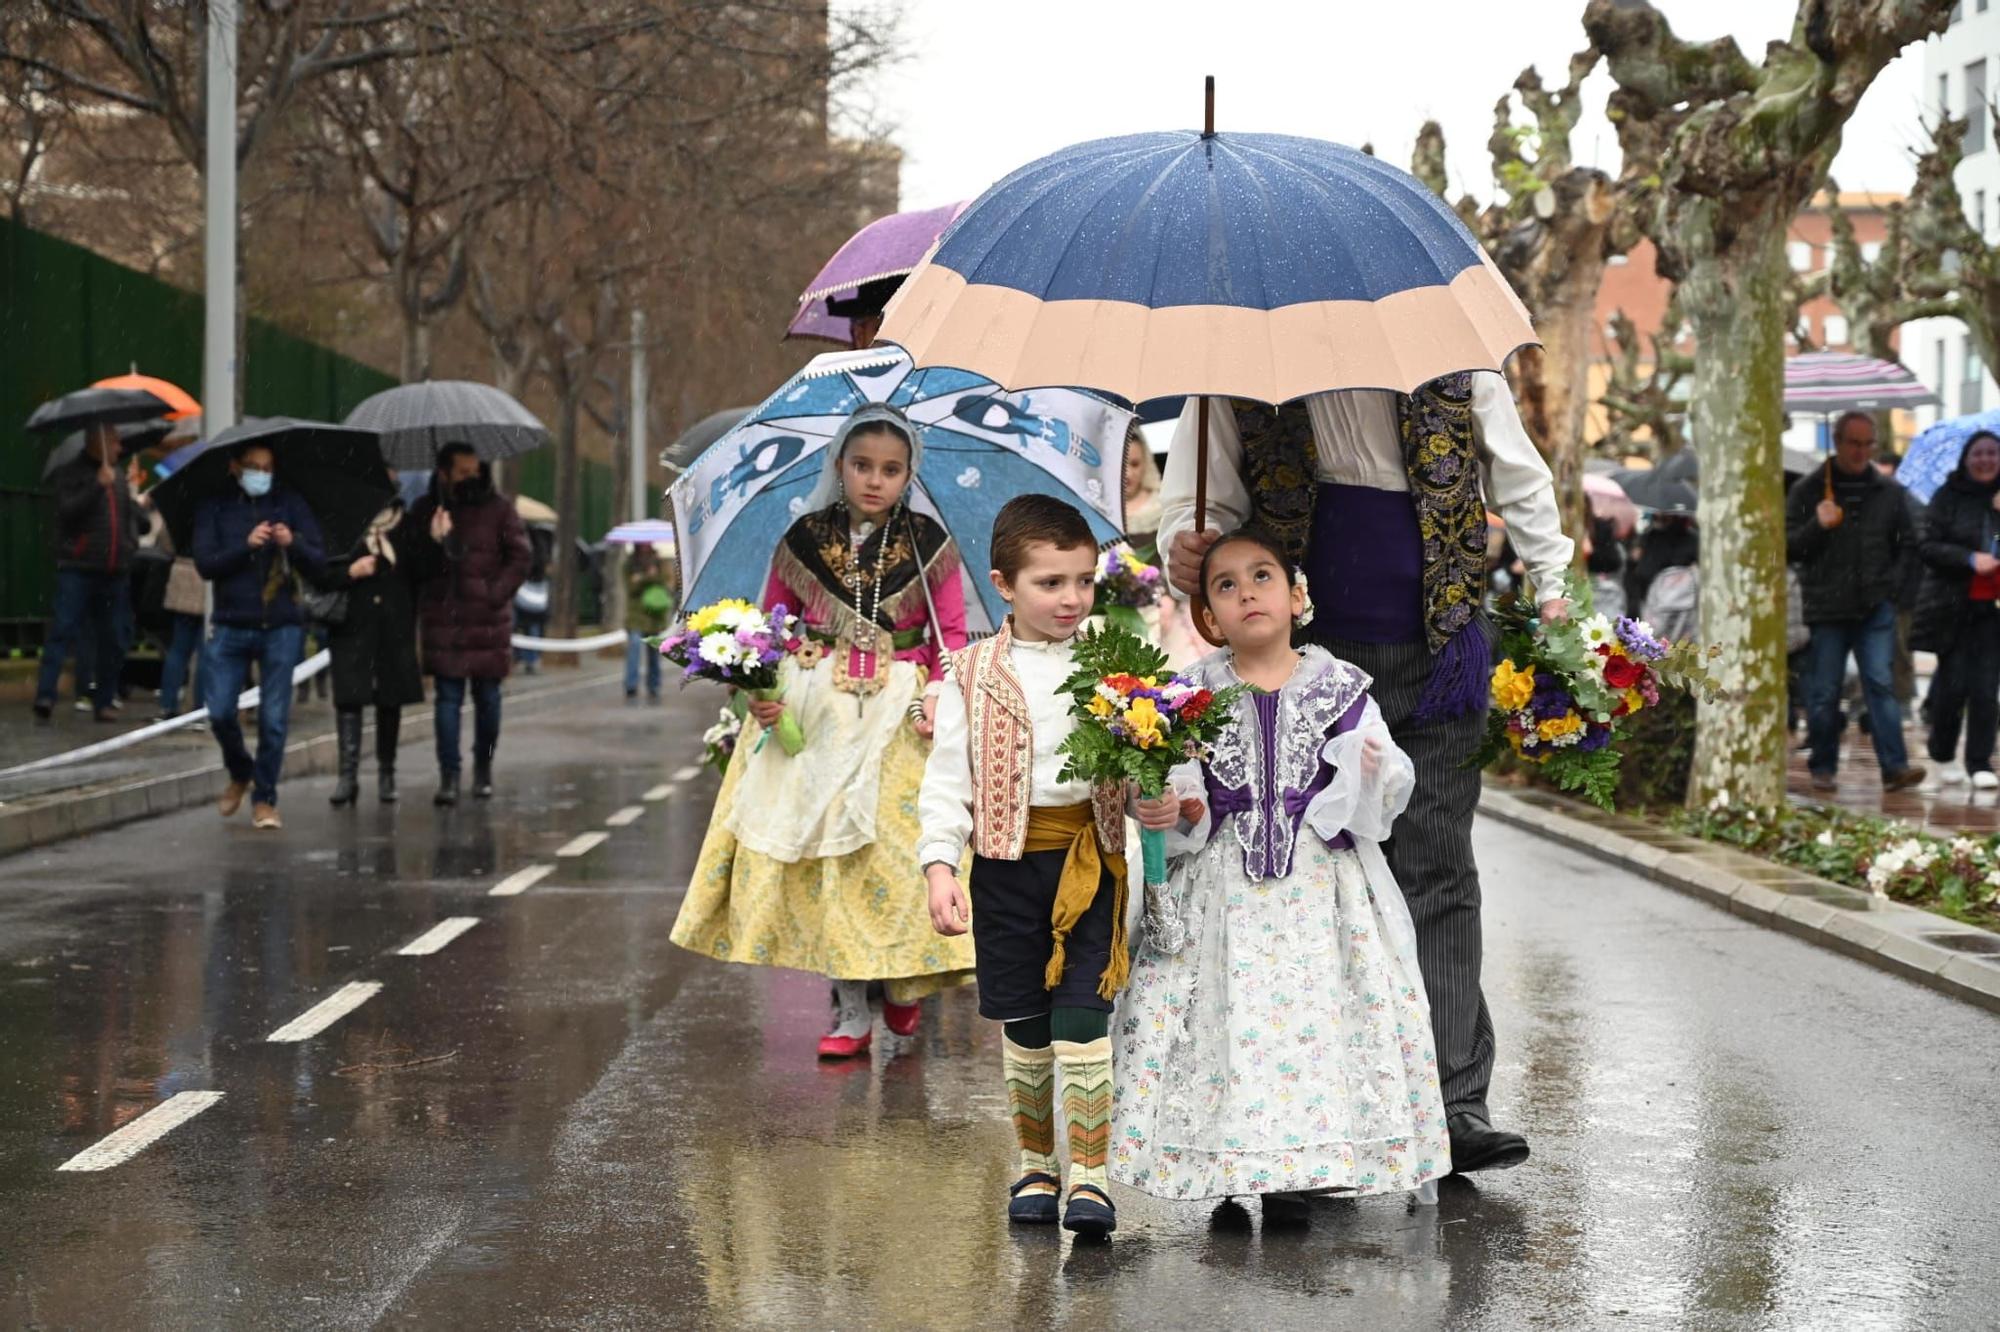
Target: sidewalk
column 1935, row 805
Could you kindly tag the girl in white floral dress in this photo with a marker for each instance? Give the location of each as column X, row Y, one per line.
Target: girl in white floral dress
column 1275, row 1038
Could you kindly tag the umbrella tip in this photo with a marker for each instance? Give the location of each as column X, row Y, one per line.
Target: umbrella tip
column 1208, row 107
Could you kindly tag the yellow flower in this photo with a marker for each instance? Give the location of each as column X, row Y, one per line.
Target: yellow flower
column 705, row 619
column 1562, row 725
column 1143, row 720
column 1100, row 706
column 1634, row 700
column 1512, row 688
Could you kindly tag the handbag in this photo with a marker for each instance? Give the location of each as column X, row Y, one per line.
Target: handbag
column 186, row 593
column 532, row 598
column 320, row 605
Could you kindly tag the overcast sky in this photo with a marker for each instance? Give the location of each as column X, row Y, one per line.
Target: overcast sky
column 986, row 87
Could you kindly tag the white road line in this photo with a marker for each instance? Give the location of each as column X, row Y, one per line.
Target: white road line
column 687, row 774
column 625, row 817
column 582, row 843
column 327, row 1011
column 437, row 936
column 521, row 880
column 143, row 1132
column 662, row 791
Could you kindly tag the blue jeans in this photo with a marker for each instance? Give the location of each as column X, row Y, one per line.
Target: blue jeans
column 529, row 626
column 635, row 648
column 450, row 695
column 1872, row 642
column 90, row 614
column 225, row 669
column 177, row 666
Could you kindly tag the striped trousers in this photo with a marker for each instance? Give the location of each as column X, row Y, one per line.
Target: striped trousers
column 1430, row 854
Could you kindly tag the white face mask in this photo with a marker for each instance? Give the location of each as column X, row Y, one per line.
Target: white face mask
column 255, row 483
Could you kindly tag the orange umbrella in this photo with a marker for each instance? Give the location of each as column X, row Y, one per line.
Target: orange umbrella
column 179, row 399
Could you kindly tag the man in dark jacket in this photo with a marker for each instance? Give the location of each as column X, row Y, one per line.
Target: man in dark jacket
column 467, row 613
column 1849, row 531
column 97, row 529
column 254, row 546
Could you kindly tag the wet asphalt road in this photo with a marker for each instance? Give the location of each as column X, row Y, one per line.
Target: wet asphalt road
column 589, row 1128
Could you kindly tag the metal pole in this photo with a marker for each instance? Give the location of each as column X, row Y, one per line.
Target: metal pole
column 637, row 462
column 218, row 344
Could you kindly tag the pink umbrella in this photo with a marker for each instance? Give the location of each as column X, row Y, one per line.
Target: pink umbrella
column 1609, row 500
column 888, row 247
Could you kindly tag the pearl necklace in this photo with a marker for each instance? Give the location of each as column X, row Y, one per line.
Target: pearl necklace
column 868, row 631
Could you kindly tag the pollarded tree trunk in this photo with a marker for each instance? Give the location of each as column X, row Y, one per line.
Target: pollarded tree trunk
column 1553, row 381
column 1739, row 311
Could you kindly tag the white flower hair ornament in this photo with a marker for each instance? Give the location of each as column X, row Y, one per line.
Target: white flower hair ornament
column 1304, row 617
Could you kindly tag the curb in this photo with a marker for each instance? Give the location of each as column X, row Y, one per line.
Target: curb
column 1962, row 961
column 93, row 810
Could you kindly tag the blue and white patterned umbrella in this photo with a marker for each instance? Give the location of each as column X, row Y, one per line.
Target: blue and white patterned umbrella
column 1934, row 453
column 981, row 447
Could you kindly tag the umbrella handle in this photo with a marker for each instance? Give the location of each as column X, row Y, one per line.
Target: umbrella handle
column 1198, row 603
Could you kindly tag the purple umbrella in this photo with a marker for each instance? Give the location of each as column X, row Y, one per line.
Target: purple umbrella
column 888, row 247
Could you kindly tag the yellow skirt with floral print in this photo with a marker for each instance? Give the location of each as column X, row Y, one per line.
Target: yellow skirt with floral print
column 861, row 916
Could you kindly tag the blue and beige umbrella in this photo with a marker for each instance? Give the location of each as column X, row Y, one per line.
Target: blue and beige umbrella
column 1251, row 265
column 981, row 447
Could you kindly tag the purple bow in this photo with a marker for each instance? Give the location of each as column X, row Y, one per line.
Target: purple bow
column 1276, row 855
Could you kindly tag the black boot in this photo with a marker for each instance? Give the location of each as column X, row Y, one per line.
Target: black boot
column 447, row 792
column 388, row 730
column 482, row 775
column 347, row 735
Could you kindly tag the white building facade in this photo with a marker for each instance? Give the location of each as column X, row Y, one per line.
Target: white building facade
column 1961, row 76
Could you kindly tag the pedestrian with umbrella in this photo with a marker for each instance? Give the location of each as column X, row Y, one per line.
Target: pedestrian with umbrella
column 253, row 545
column 649, row 600
column 97, row 532
column 1260, row 269
column 467, row 611
column 1958, row 611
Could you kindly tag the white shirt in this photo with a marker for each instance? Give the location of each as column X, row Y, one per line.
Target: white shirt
column 944, row 806
column 1360, row 444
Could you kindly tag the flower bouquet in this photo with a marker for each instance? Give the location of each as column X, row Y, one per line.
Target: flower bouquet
column 719, row 740
column 734, row 643
column 1135, row 722
column 1563, row 692
column 1127, row 585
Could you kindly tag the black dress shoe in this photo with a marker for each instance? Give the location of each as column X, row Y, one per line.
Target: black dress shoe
column 1286, row 1211
column 1477, row 1145
column 447, row 792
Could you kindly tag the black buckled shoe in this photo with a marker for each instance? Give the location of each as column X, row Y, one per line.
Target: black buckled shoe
column 1286, row 1211
column 1477, row 1145
column 1090, row 1213
column 1034, row 1209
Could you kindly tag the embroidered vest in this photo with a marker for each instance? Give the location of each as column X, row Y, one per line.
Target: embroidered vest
column 1000, row 739
column 1441, row 457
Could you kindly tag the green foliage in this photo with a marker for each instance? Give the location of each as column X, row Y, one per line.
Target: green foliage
column 1094, row 753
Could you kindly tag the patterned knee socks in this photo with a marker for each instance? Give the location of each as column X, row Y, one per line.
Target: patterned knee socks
column 1085, row 1070
column 1031, row 1099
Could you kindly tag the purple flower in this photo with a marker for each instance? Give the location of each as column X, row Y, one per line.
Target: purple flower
column 1638, row 643
column 1595, row 737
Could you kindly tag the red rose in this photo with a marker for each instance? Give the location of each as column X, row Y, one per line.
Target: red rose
column 1197, row 705
column 1621, row 672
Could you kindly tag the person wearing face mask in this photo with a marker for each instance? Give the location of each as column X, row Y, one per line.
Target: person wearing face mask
column 807, row 859
column 1958, row 611
column 253, row 546
column 467, row 611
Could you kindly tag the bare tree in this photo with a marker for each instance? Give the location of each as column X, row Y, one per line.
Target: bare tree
column 1643, row 391
column 1724, row 153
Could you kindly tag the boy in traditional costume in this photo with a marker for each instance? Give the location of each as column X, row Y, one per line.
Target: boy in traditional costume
column 1047, row 909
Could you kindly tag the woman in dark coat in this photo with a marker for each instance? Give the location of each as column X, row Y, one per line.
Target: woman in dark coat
column 374, row 647
column 1956, row 613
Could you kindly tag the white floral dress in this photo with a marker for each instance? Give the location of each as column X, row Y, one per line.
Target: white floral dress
column 1275, row 1036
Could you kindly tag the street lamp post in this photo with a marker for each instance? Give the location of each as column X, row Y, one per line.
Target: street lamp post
column 218, row 345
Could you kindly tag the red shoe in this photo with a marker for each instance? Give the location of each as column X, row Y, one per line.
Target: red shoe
column 844, row 1047
column 902, row 1018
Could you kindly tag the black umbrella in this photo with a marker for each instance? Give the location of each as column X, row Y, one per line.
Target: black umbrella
column 133, row 438
column 416, row 420
column 678, row 456
column 1658, row 491
column 337, row 470
column 96, row 406
column 1683, row 464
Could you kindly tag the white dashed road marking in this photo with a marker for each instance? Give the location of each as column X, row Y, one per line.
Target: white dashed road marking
column 628, row 815
column 661, row 792
column 581, row 844
column 687, row 774
column 327, row 1011
column 521, row 880
column 437, row 936
column 142, row 1132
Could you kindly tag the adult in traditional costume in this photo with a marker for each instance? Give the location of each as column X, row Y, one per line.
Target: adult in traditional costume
column 1378, row 497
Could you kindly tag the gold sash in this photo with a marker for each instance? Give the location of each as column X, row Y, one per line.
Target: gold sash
column 1073, row 828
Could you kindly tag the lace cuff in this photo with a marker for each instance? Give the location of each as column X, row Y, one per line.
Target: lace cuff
column 1358, row 805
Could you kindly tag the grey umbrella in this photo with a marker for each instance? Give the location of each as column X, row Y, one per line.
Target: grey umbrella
column 416, row 420
column 678, row 456
column 1658, row 491
column 96, row 406
column 133, row 438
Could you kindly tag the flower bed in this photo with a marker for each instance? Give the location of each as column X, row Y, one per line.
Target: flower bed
column 1958, row 877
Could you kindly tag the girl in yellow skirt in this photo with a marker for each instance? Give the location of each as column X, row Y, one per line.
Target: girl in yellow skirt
column 807, row 862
